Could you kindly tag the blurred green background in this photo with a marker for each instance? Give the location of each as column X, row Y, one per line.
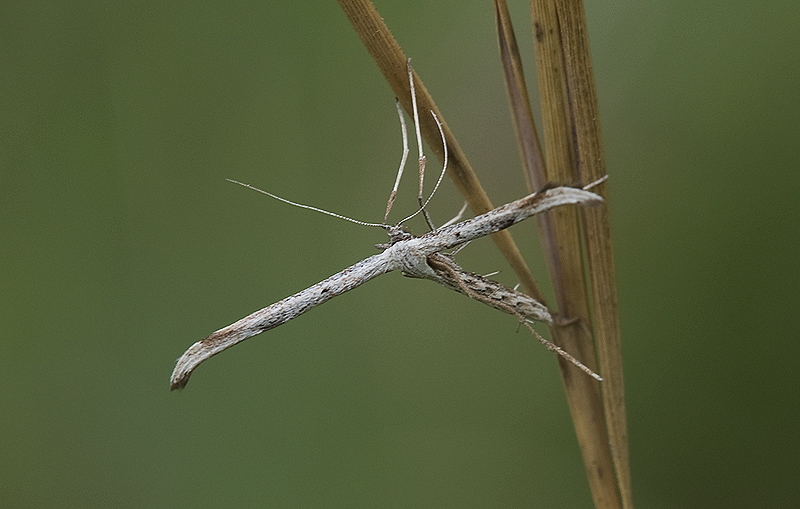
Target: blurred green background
column 122, row 244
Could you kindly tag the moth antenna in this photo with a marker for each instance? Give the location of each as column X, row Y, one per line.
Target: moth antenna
column 309, row 207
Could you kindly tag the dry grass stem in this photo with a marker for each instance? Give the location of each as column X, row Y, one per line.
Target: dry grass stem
column 572, row 155
column 560, row 233
column 597, row 229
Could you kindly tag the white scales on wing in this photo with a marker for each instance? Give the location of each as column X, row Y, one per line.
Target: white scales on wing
column 420, row 257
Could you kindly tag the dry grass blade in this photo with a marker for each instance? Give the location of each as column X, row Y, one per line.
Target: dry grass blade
column 584, row 108
column 524, row 126
column 561, row 242
column 565, row 163
column 392, row 63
